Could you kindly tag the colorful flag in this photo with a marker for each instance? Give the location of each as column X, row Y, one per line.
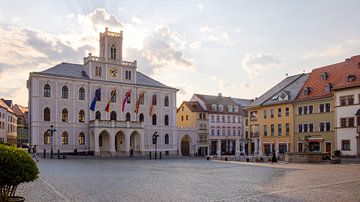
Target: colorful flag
column 97, row 95
column 141, row 96
column 127, row 96
column 113, row 93
column 152, row 104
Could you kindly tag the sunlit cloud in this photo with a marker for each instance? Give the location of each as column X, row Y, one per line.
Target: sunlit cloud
column 255, row 64
column 343, row 49
column 200, row 6
column 216, row 34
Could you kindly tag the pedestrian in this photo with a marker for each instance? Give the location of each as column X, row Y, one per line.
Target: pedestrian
column 131, row 153
column 273, row 159
column 34, row 154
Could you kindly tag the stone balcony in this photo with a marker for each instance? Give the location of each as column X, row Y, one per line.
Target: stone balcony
column 115, row 124
column 111, row 61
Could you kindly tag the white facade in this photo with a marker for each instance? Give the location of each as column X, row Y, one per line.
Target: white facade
column 102, row 135
column 8, row 124
column 344, row 132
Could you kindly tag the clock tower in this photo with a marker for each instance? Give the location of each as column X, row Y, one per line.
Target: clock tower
column 111, row 45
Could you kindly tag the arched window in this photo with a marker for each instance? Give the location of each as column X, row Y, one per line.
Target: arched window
column 113, row 52
column 64, row 115
column 46, row 138
column 46, row 114
column 166, row 139
column 141, row 117
column 47, row 90
column 154, row 98
column 65, row 92
column 126, row 75
column 128, row 116
column 166, row 101
column 166, row 119
column 129, row 75
column 81, row 138
column 113, row 116
column 81, row 116
column 97, row 71
column 81, row 93
column 154, row 119
column 65, row 138
column 100, row 140
column 98, row 115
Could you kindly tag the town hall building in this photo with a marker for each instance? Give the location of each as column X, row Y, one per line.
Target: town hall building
column 103, row 106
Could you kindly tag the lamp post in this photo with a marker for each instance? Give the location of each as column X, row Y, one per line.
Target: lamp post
column 154, row 138
column 51, row 130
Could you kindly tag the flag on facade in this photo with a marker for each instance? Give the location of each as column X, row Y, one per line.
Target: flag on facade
column 153, row 102
column 97, row 95
column 113, row 93
column 127, row 96
column 141, row 96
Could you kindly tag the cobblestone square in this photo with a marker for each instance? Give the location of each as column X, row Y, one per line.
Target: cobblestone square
column 112, row 179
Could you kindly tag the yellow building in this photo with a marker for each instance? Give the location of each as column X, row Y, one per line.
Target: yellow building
column 190, row 115
column 271, row 118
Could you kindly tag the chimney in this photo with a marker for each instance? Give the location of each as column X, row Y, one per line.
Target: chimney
column 219, row 94
column 347, row 60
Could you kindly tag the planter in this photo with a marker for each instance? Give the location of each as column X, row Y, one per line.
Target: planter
column 14, row 199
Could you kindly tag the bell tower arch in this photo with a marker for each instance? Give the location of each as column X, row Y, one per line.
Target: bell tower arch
column 111, row 45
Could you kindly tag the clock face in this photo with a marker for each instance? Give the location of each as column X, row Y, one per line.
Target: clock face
column 113, row 72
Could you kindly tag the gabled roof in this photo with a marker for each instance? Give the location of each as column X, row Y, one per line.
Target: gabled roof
column 242, row 102
column 5, row 106
column 19, row 110
column 317, row 85
column 352, row 69
column 194, row 106
column 71, row 70
column 290, row 86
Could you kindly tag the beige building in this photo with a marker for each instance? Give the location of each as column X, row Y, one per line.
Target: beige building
column 8, row 124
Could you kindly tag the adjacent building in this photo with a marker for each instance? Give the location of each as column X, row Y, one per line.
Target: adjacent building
column 22, row 124
column 225, row 123
column 8, row 123
column 347, row 107
column 103, row 106
column 271, row 118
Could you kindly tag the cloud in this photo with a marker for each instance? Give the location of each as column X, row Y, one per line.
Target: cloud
column 245, row 85
column 137, row 20
column 99, row 17
column 195, row 45
column 162, row 51
column 8, row 92
column 182, row 90
column 216, row 34
column 200, row 6
column 221, row 83
column 254, row 64
column 344, row 49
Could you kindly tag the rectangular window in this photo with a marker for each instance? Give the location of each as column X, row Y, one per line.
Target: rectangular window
column 310, row 109
column 305, row 128
column 343, row 100
column 350, row 99
column 212, row 132
column 300, row 110
column 322, row 127
column 311, row 127
column 265, row 114
column 279, row 129
column 287, row 128
column 327, row 107
column 279, row 112
column 305, row 109
column 328, row 127
column 300, row 128
column 345, row 145
column 287, row 111
column 272, row 129
column 342, row 122
column 272, row 113
column 321, row 107
column 351, row 122
column 265, row 130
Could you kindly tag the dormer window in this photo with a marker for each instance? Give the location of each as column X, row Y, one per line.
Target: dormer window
column 275, row 97
column 236, row 109
column 113, row 52
column 307, row 91
column 221, row 108
column 324, row 76
column 351, row 78
column 328, row 87
column 214, row 108
column 230, row 108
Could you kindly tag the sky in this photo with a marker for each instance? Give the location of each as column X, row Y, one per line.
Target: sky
column 237, row 48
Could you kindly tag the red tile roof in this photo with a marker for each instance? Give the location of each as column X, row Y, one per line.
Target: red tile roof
column 5, row 106
column 317, row 84
column 352, row 69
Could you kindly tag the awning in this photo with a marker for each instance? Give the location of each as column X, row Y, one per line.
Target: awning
column 314, row 139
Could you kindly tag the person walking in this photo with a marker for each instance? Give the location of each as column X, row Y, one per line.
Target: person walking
column 34, row 154
column 273, row 159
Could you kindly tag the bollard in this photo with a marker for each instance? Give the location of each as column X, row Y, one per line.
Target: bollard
column 44, row 153
column 160, row 155
column 149, row 155
column 58, row 154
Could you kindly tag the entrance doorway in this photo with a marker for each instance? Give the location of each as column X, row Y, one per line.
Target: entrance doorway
column 185, row 146
column 328, row 147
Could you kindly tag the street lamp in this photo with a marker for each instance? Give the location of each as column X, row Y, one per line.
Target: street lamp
column 154, row 138
column 51, row 130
